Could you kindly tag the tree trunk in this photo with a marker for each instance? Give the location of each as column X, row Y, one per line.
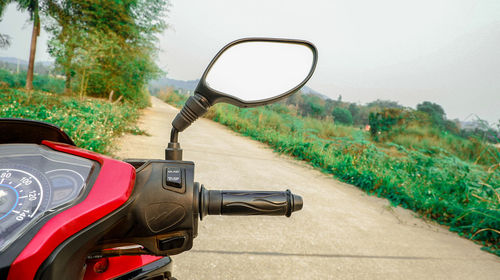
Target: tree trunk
column 82, row 84
column 34, row 37
column 67, row 69
column 67, row 84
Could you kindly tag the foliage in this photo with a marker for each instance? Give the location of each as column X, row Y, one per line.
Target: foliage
column 435, row 112
column 428, row 179
column 4, row 41
column 415, row 131
column 384, row 121
column 41, row 68
column 40, row 82
column 33, row 9
column 384, row 104
column 4, row 38
column 342, row 116
column 107, row 46
column 481, row 130
column 312, row 105
column 91, row 123
column 172, row 96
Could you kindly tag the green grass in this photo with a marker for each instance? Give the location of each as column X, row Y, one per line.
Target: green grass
column 427, row 176
column 40, row 82
column 431, row 140
column 91, row 123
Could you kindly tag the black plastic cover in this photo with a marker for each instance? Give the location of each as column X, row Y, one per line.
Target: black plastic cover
column 31, row 132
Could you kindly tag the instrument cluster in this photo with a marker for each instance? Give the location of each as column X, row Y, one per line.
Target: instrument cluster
column 34, row 181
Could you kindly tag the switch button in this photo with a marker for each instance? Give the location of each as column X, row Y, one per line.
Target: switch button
column 171, row 243
column 174, row 177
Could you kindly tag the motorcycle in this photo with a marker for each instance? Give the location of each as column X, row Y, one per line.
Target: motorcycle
column 68, row 213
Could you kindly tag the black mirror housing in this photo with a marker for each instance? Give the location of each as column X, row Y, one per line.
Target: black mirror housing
column 206, row 95
column 214, row 96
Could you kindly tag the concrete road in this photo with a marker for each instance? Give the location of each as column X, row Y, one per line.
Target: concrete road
column 341, row 233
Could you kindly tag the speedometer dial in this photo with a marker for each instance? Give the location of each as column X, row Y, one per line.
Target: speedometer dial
column 22, row 197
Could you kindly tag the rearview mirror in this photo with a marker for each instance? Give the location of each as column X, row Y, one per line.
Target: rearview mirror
column 247, row 73
column 257, row 71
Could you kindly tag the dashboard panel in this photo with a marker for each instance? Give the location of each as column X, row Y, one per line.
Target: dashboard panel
column 34, row 181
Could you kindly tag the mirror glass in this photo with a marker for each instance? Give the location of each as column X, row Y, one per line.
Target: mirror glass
column 254, row 71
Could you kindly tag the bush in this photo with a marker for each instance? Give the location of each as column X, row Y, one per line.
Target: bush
column 342, row 116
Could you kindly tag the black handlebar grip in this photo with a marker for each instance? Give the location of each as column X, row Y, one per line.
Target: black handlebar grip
column 245, row 203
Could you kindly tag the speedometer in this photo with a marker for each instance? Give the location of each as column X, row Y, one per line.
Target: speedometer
column 35, row 184
column 22, row 197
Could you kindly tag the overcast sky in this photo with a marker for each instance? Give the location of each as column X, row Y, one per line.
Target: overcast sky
column 446, row 51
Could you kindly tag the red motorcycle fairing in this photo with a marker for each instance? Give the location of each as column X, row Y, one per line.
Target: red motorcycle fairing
column 112, row 188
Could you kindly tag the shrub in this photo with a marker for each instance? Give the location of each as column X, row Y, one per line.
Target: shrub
column 342, row 116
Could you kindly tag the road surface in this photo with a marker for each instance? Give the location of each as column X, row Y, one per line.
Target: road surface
column 341, row 233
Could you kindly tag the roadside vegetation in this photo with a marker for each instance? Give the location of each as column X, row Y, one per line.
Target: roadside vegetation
column 46, row 83
column 101, row 48
column 415, row 158
column 91, row 123
column 104, row 56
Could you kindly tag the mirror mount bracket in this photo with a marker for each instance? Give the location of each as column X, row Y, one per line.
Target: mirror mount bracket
column 195, row 107
column 173, row 150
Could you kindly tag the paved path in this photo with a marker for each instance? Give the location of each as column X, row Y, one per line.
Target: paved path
column 341, row 233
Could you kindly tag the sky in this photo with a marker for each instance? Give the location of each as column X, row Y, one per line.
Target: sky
column 444, row 51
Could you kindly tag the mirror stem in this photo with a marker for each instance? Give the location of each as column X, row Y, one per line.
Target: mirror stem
column 173, row 150
column 174, row 135
column 195, row 107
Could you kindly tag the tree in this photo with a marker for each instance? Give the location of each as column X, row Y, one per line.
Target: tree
column 33, row 8
column 342, row 116
column 355, row 113
column 435, row 112
column 107, row 46
column 312, row 105
column 4, row 41
column 384, row 104
column 64, row 39
column 385, row 120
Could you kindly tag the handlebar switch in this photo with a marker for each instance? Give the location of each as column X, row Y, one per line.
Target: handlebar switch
column 173, row 179
column 171, row 243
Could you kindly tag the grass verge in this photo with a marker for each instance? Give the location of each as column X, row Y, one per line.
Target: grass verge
column 91, row 123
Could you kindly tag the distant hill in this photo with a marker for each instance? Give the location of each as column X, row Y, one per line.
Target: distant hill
column 191, row 86
column 14, row 64
column 308, row 90
column 177, row 84
column 15, row 60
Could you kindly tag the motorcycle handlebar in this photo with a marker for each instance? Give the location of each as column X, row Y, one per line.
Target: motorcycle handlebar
column 243, row 203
